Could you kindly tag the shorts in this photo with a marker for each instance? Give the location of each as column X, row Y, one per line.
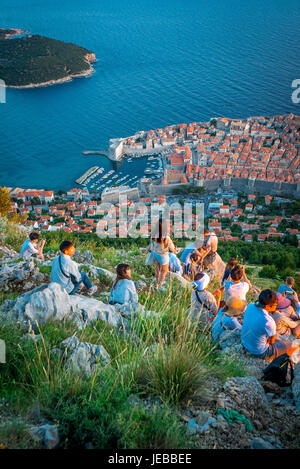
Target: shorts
column 274, row 350
column 162, row 259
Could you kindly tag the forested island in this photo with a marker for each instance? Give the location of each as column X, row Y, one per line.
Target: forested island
column 33, row 60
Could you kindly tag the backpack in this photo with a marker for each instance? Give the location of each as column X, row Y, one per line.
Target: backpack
column 278, row 369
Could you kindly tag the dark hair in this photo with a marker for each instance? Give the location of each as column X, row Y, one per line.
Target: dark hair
column 34, row 235
column 232, row 262
column 237, row 273
column 65, row 245
column 290, row 281
column 195, row 257
column 160, row 238
column 267, row 297
column 121, row 274
column 199, row 276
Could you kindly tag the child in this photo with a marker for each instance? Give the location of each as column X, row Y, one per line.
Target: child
column 65, row 271
column 123, row 290
column 239, row 284
column 193, row 267
column 227, row 317
column 229, row 266
column 31, row 247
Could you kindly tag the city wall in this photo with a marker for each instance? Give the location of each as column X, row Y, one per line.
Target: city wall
column 248, row 186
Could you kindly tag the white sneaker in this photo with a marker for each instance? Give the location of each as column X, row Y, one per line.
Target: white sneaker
column 93, row 290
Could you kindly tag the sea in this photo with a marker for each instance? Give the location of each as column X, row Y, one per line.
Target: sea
column 159, row 62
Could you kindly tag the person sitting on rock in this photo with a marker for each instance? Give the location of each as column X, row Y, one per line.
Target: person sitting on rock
column 287, row 288
column 32, row 248
column 193, row 267
column 209, row 249
column 227, row 317
column 286, row 317
column 123, row 290
column 204, row 305
column 188, row 251
column 65, row 271
column 258, row 334
column 239, row 284
column 233, row 262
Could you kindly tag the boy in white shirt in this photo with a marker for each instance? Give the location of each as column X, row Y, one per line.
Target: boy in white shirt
column 33, row 248
column 65, row 271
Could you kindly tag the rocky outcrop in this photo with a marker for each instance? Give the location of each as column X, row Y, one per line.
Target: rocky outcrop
column 20, row 276
column 85, row 257
column 7, row 253
column 38, row 306
column 246, row 396
column 83, row 357
column 216, row 269
column 45, row 435
column 51, row 301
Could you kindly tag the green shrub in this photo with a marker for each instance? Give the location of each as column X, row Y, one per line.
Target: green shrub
column 268, row 271
column 156, row 429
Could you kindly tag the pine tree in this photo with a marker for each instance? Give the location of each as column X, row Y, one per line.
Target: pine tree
column 5, row 202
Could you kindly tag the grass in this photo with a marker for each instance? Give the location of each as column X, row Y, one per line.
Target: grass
column 15, row 435
column 164, row 356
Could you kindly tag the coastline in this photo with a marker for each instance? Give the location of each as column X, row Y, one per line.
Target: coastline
column 90, row 58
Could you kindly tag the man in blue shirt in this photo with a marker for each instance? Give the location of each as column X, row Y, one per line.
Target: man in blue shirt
column 259, row 329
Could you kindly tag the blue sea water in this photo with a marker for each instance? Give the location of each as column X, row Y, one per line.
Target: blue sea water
column 160, row 62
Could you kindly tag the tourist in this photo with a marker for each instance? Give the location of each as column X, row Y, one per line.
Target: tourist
column 186, row 253
column 32, row 248
column 65, row 271
column 259, row 329
column 287, row 324
column 227, row 317
column 174, row 264
column 287, row 288
column 209, row 248
column 160, row 246
column 204, row 305
column 239, row 284
column 123, row 290
column 233, row 262
column 193, row 267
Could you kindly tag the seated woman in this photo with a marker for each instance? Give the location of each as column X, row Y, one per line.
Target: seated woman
column 204, row 305
column 229, row 266
column 123, row 290
column 226, row 319
column 285, row 317
column 193, row 267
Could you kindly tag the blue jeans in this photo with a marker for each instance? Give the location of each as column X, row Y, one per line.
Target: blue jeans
column 86, row 282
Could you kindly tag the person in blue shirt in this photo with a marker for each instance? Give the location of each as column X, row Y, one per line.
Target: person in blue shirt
column 287, row 288
column 227, row 317
column 123, row 290
column 259, row 328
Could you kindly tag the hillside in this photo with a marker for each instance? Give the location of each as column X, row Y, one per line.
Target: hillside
column 38, row 61
column 90, row 375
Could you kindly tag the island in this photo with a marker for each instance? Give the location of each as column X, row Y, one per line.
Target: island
column 33, row 60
